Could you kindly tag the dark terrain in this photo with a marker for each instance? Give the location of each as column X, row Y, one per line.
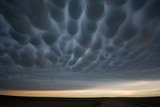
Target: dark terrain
column 10, row 101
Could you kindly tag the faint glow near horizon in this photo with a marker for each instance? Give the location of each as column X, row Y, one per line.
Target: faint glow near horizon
column 131, row 89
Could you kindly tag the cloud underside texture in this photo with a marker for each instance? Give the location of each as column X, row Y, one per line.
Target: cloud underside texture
column 73, row 44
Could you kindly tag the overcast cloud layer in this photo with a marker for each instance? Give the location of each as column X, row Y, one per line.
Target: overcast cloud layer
column 75, row 44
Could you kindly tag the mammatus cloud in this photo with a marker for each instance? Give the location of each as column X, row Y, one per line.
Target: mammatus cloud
column 47, row 42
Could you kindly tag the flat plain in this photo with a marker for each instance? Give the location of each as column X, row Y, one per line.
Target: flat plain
column 12, row 101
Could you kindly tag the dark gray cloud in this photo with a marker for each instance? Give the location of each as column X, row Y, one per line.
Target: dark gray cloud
column 66, row 44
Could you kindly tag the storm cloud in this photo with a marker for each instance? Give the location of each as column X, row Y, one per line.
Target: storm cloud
column 68, row 44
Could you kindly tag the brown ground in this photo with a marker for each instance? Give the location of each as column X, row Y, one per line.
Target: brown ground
column 8, row 101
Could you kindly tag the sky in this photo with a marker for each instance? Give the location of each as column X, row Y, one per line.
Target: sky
column 80, row 48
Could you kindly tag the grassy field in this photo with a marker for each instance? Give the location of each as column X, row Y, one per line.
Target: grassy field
column 10, row 101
